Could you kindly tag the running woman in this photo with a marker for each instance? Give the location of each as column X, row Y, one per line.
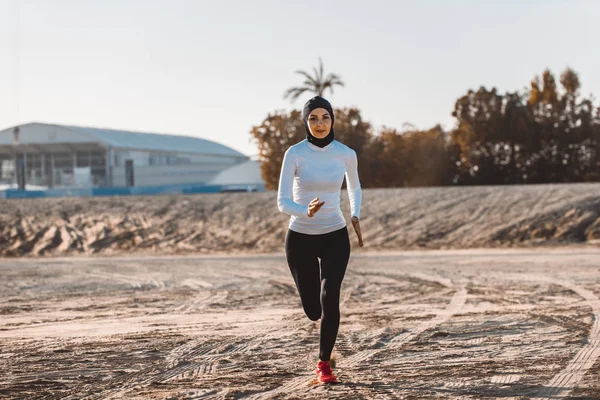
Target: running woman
column 310, row 191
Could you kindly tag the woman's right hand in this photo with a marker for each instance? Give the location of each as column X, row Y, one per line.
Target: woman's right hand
column 314, row 206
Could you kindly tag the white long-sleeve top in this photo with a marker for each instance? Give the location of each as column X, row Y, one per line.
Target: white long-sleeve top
column 309, row 171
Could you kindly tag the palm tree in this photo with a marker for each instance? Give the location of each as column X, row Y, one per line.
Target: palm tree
column 316, row 84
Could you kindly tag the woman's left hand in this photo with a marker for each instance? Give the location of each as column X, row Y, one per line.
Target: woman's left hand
column 356, row 225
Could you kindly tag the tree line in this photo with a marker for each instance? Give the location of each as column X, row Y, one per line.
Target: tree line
column 546, row 133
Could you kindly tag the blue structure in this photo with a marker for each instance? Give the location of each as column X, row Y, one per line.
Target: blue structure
column 123, row 191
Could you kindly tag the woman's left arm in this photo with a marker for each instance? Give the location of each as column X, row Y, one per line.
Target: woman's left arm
column 354, row 193
column 353, row 185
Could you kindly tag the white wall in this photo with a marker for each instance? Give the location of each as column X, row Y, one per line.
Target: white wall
column 166, row 175
column 141, row 158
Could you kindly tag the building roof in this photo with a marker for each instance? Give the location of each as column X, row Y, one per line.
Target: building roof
column 156, row 141
column 120, row 139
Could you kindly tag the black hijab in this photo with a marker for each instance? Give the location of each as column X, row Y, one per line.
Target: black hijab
column 317, row 102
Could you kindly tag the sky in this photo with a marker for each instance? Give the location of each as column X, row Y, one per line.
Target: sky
column 214, row 69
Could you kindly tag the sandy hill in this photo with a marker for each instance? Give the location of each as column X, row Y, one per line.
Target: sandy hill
column 391, row 219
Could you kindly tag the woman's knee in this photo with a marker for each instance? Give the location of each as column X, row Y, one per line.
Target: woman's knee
column 312, row 312
column 311, row 305
column 330, row 296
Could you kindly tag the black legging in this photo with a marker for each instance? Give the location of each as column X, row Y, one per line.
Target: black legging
column 320, row 290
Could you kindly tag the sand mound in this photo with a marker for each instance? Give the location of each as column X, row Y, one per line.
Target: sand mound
column 392, row 219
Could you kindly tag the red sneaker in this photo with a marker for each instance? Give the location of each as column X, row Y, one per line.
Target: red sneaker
column 324, row 372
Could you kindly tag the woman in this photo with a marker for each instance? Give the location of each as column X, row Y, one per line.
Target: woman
column 310, row 191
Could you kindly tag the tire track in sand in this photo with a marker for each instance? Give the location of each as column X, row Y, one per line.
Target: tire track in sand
column 204, row 299
column 190, row 360
column 130, row 280
column 456, row 303
column 505, row 379
column 187, row 361
column 565, row 381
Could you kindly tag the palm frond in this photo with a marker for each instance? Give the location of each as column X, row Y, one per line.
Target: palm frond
column 328, row 85
column 317, row 84
column 294, row 93
column 334, row 79
column 308, row 77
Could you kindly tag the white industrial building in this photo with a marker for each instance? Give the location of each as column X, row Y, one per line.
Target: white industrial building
column 60, row 156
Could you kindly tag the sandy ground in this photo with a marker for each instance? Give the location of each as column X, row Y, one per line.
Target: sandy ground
column 449, row 324
column 391, row 219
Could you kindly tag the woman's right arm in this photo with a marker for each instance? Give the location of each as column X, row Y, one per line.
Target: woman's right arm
column 285, row 201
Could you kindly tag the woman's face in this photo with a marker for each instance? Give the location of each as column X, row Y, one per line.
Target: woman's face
column 319, row 123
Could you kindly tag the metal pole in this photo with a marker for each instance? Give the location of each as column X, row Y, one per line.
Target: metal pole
column 52, row 170
column 15, row 166
column 25, row 170
column 90, row 166
column 108, row 182
column 74, row 166
column 43, row 169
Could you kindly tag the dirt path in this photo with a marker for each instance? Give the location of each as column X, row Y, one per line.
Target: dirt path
column 476, row 324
